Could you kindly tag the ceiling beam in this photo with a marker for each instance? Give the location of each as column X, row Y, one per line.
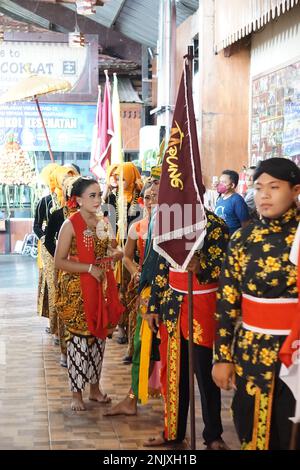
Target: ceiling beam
column 98, row 3
column 118, row 12
column 17, row 12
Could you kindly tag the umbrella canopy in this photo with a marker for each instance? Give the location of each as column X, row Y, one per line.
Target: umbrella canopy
column 34, row 86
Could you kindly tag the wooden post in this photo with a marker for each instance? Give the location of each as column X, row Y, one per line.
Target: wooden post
column 294, row 435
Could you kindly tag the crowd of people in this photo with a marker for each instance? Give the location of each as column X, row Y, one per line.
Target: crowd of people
column 100, row 273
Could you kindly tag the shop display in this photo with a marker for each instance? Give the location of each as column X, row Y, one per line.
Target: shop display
column 17, row 176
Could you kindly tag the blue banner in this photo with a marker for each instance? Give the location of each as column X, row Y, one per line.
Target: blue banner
column 69, row 126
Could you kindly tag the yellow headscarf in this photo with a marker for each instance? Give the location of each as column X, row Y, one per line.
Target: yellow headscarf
column 46, row 175
column 132, row 177
column 58, row 176
column 110, row 170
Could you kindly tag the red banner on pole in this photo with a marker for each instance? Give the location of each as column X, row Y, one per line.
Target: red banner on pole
column 181, row 220
column 103, row 134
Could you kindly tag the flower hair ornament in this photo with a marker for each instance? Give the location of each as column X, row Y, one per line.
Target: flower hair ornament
column 69, row 183
column 140, row 201
column 72, row 202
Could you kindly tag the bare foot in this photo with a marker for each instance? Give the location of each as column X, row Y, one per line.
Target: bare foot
column 159, row 440
column 77, row 404
column 97, row 395
column 127, row 407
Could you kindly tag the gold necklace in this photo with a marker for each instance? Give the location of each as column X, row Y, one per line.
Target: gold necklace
column 88, row 235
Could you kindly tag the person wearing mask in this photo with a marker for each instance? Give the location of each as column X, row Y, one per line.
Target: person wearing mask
column 257, row 306
column 230, row 206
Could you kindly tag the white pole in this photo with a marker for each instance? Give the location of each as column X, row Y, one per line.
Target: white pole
column 166, row 63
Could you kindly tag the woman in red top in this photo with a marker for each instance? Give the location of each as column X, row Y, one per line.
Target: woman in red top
column 88, row 299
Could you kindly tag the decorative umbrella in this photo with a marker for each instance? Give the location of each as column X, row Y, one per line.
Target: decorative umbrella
column 30, row 88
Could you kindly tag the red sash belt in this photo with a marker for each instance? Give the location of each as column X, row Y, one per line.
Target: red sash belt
column 268, row 316
column 179, row 281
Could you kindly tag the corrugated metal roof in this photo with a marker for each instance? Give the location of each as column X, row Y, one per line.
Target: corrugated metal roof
column 185, row 8
column 127, row 94
column 15, row 11
column 105, row 15
column 138, row 19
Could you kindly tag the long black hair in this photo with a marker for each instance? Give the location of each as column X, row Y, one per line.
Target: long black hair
column 81, row 184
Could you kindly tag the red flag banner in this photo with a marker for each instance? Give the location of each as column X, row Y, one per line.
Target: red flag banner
column 104, row 131
column 290, row 350
column 180, row 220
column 95, row 152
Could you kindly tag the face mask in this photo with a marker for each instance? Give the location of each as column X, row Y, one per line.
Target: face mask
column 221, row 188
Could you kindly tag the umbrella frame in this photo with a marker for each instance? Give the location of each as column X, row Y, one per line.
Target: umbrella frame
column 44, row 127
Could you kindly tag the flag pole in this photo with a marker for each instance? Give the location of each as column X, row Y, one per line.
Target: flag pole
column 190, row 56
column 294, row 435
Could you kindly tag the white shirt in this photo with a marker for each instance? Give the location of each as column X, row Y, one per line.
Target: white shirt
column 295, row 247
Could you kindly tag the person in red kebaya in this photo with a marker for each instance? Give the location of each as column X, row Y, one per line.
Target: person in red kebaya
column 87, row 300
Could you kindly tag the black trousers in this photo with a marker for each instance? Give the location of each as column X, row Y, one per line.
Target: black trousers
column 283, row 408
column 210, row 394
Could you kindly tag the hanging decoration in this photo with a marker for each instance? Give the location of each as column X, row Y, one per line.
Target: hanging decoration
column 85, row 7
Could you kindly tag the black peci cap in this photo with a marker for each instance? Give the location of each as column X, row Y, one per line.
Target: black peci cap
column 280, row 168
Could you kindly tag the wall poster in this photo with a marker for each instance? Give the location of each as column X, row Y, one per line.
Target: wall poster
column 275, row 122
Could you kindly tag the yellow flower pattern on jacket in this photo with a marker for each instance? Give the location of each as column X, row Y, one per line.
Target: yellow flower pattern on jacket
column 166, row 301
column 257, row 264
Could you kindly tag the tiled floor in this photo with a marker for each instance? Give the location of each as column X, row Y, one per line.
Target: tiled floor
column 34, row 396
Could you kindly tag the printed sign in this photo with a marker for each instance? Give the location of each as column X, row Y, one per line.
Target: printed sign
column 57, row 59
column 69, row 126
